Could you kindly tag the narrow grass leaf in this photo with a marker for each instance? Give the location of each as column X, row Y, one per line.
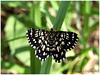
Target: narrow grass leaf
column 35, row 16
column 45, row 69
column 61, row 15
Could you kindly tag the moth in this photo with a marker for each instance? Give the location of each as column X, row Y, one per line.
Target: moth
column 51, row 43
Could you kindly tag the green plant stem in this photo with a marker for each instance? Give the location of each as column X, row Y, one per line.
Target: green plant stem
column 86, row 21
column 45, row 69
column 35, row 64
column 17, row 38
column 61, row 15
column 57, row 25
column 72, row 64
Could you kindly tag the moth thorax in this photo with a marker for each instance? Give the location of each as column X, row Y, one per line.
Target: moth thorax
column 51, row 35
column 51, row 38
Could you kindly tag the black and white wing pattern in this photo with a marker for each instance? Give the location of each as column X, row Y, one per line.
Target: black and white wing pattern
column 51, row 43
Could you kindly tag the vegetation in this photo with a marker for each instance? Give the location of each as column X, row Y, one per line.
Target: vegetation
column 81, row 17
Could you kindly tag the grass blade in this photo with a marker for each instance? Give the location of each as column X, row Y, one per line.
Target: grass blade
column 78, row 16
column 45, row 69
column 61, row 15
column 35, row 15
column 35, row 63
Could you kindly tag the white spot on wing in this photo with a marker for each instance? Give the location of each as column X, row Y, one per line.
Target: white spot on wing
column 72, row 36
column 44, row 53
column 34, row 47
column 35, row 52
column 53, row 49
column 76, row 39
column 60, row 39
column 47, row 49
column 31, row 45
column 67, row 49
column 39, row 58
column 36, row 35
column 69, row 42
column 43, row 48
column 33, row 39
column 58, row 48
column 45, row 42
column 56, row 43
column 26, row 34
column 56, row 55
column 61, row 53
column 39, row 51
column 62, row 43
column 47, row 56
column 42, row 59
column 63, row 58
column 31, row 33
column 42, row 38
column 28, row 38
column 39, row 41
column 41, row 33
column 61, row 35
column 60, row 59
